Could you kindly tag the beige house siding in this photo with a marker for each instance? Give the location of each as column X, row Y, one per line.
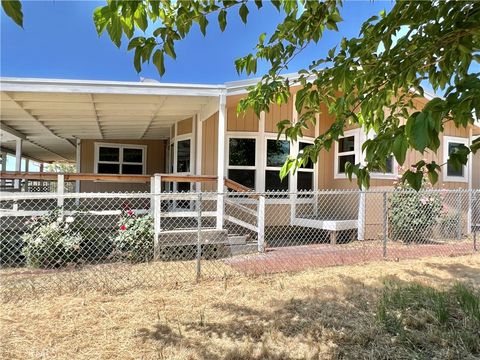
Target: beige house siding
column 209, row 149
column 476, row 171
column 185, row 126
column 155, row 163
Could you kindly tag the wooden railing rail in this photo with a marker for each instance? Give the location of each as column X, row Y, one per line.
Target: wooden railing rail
column 105, row 177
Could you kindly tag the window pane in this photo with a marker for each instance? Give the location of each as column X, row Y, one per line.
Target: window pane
column 452, row 147
column 108, row 168
column 277, row 152
column 183, row 156
column 389, row 166
column 171, row 158
column 342, row 160
column 133, row 155
column 244, row 177
column 132, row 169
column 309, row 164
column 242, row 152
column 346, row 144
column 273, row 183
column 108, row 154
column 304, row 181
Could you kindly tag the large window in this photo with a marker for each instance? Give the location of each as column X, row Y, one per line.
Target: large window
column 452, row 144
column 277, row 153
column 241, row 161
column 346, row 151
column 305, row 174
column 120, row 159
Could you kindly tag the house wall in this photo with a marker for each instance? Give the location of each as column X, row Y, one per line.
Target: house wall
column 209, row 149
column 185, row 126
column 155, row 163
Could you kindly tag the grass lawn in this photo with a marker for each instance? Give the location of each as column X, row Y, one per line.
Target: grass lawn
column 413, row 309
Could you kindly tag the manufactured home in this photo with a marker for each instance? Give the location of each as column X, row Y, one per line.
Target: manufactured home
column 120, row 135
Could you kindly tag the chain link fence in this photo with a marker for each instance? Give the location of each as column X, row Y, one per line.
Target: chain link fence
column 129, row 240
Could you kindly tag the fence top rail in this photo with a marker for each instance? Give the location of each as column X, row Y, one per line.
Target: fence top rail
column 271, row 197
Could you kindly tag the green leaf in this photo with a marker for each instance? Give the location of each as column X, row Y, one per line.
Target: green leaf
column 169, row 49
column 258, row 3
column 13, row 9
column 414, row 179
column 399, row 148
column 137, row 58
column 158, row 61
column 243, row 11
column 203, row 22
column 222, row 19
column 114, row 30
column 417, row 129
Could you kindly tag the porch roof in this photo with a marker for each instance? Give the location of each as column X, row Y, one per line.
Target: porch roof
column 50, row 115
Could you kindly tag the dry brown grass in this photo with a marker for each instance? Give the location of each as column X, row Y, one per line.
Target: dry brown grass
column 327, row 313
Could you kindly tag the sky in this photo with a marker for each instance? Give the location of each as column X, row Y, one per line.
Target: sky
column 59, row 41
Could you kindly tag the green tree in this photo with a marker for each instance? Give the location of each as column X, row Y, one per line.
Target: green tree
column 369, row 80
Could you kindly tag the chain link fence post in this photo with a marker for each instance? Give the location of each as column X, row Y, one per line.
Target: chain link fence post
column 199, row 236
column 385, row 225
column 157, row 189
column 474, row 213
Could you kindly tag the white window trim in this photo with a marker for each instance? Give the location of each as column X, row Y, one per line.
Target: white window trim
column 98, row 145
column 446, row 141
column 357, row 146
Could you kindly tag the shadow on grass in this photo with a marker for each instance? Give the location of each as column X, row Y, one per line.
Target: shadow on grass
column 350, row 321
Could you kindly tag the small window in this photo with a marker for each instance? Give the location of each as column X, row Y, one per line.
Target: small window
column 301, row 146
column 451, row 171
column 451, row 145
column 241, row 152
column 241, row 161
column 273, row 182
column 346, row 151
column 120, row 159
column 244, row 177
column 277, row 152
column 305, row 181
column 183, row 156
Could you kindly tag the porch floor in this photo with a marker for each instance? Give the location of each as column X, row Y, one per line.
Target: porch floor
column 297, row 258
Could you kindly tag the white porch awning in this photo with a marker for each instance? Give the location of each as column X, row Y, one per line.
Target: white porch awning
column 51, row 115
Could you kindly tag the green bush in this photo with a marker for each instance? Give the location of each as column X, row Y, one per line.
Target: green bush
column 11, row 245
column 134, row 239
column 413, row 214
column 450, row 225
column 52, row 240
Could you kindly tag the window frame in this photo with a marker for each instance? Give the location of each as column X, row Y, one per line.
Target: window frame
column 379, row 175
column 120, row 162
column 356, row 151
column 458, row 140
column 306, row 170
column 228, row 167
column 274, row 168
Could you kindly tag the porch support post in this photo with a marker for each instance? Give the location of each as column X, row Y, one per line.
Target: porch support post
column 60, row 189
column 18, row 160
column 198, row 150
column 4, row 167
column 470, row 183
column 157, row 189
column 222, row 118
column 77, row 165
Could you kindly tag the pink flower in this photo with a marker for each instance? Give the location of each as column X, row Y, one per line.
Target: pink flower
column 424, row 200
column 123, row 227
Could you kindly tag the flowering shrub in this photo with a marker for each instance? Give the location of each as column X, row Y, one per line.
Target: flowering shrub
column 134, row 239
column 413, row 214
column 52, row 240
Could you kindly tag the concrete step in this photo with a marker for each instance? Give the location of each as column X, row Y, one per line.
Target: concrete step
column 190, row 237
column 243, row 249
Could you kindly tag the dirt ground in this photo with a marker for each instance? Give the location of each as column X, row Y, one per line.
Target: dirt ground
column 326, row 313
